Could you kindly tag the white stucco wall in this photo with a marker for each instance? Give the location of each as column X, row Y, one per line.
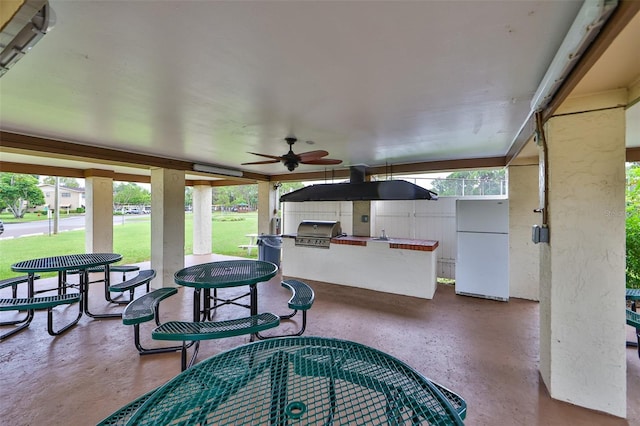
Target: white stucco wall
column 582, row 298
column 167, row 225
column 524, row 256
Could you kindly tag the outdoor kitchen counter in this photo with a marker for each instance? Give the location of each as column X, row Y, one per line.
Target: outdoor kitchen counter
column 397, row 265
column 394, row 243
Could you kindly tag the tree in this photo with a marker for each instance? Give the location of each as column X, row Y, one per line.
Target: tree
column 18, row 192
column 472, row 182
column 130, row 193
column 632, row 226
column 287, row 187
column 221, row 195
column 188, row 196
column 233, row 195
column 64, row 181
column 246, row 194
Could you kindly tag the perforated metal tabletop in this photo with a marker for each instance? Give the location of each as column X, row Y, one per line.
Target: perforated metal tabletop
column 297, row 380
column 66, row 263
column 228, row 273
column 633, row 294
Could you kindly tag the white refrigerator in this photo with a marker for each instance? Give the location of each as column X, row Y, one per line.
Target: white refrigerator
column 482, row 261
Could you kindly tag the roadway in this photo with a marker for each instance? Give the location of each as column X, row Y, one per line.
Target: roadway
column 45, row 227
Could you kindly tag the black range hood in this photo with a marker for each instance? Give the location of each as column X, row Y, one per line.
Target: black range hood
column 359, row 190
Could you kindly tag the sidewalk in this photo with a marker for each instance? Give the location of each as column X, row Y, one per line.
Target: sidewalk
column 196, row 259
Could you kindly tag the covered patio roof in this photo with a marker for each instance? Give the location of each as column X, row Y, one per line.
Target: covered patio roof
column 401, row 87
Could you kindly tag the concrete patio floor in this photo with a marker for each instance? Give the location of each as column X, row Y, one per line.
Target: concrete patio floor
column 484, row 350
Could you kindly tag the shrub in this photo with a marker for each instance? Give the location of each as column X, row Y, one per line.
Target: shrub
column 228, row 219
column 633, row 252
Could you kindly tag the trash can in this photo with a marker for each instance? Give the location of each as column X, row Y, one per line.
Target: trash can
column 269, row 247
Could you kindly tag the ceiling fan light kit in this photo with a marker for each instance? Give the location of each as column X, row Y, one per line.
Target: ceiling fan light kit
column 291, row 160
column 205, row 168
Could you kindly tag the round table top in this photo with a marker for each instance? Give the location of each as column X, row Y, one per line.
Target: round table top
column 633, row 294
column 298, row 380
column 227, row 273
column 66, row 262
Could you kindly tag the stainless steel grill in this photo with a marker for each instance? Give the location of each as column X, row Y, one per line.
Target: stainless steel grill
column 317, row 233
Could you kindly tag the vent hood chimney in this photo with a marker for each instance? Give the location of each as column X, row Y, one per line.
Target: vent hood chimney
column 360, row 190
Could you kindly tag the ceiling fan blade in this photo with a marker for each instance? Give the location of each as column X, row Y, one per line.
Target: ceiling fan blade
column 261, row 162
column 312, row 154
column 275, row 157
column 321, row 161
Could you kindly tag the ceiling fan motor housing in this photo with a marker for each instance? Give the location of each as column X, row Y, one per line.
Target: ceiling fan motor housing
column 291, row 164
column 291, row 160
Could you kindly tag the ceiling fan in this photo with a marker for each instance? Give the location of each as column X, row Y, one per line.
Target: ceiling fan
column 291, row 159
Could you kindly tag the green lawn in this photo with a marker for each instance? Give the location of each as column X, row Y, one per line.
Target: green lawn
column 7, row 217
column 131, row 239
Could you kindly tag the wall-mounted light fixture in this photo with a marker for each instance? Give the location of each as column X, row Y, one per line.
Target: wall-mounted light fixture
column 216, row 170
column 26, row 27
column 590, row 19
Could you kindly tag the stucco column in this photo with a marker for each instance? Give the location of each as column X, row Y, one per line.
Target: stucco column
column 167, row 225
column 524, row 256
column 582, row 269
column 202, row 217
column 98, row 237
column 267, row 206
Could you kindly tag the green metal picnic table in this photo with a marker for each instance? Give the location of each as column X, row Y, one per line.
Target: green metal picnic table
column 633, row 295
column 69, row 262
column 224, row 274
column 297, row 380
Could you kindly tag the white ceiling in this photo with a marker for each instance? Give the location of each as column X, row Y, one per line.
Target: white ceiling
column 206, row 81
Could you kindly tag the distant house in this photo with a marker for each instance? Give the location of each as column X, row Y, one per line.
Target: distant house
column 70, row 198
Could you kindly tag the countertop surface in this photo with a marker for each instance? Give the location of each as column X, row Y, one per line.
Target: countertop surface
column 394, row 243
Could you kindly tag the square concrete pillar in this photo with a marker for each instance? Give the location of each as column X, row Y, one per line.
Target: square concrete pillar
column 167, row 225
column 98, row 237
column 267, row 206
column 582, row 269
column 202, row 197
